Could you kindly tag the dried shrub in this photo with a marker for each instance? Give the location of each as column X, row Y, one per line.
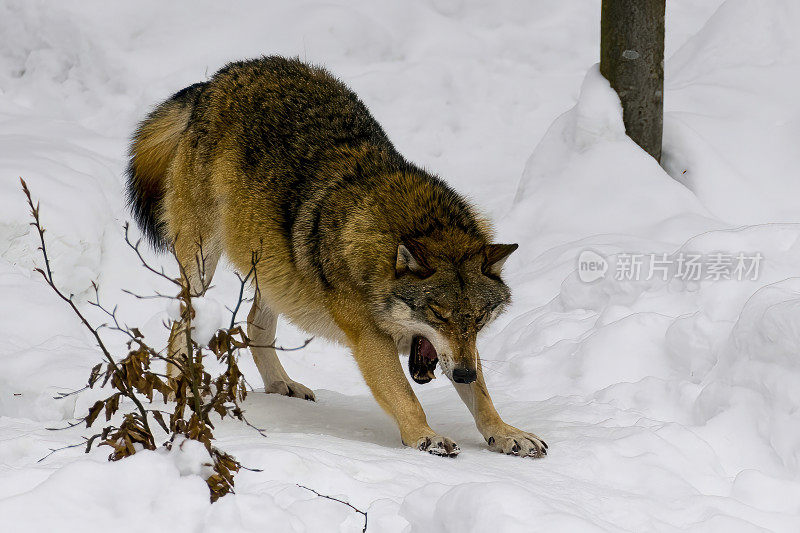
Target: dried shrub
column 191, row 392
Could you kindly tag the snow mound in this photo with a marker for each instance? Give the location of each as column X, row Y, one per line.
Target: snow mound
column 586, row 173
column 171, row 496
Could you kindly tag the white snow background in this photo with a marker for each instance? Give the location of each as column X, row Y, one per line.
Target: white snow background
column 667, row 405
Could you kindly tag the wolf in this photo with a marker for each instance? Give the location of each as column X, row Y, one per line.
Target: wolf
column 278, row 160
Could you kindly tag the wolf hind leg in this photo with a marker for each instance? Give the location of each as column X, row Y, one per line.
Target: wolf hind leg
column 198, row 261
column 261, row 325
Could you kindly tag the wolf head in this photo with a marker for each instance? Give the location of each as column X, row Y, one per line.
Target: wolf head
column 438, row 304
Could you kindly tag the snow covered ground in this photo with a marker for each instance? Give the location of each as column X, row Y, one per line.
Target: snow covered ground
column 669, row 403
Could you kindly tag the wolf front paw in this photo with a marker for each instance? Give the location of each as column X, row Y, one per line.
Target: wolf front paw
column 290, row 388
column 513, row 441
column 437, row 445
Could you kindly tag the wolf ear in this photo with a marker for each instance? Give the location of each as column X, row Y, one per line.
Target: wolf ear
column 496, row 255
column 410, row 255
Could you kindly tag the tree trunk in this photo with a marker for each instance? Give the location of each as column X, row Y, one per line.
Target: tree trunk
column 632, row 60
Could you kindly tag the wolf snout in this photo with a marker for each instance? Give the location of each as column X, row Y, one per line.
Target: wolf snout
column 464, row 375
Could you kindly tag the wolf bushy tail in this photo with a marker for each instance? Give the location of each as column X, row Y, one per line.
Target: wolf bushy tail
column 151, row 151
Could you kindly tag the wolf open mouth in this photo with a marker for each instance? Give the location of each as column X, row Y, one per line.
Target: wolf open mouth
column 422, row 360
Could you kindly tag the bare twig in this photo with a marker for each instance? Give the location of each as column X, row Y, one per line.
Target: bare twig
column 281, row 348
column 62, row 395
column 69, row 425
column 48, row 277
column 54, row 450
column 133, row 334
column 154, row 296
column 258, row 429
column 145, row 264
column 255, row 258
column 250, row 469
column 356, row 509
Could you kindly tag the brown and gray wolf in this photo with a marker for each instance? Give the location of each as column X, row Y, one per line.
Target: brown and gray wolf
column 355, row 244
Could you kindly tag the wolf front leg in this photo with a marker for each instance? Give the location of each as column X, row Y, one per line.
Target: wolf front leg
column 376, row 355
column 501, row 437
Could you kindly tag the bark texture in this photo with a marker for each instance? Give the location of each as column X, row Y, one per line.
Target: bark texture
column 632, row 60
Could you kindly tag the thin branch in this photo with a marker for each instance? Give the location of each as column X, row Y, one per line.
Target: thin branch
column 252, row 389
column 171, row 360
column 356, row 509
column 255, row 258
column 69, row 425
column 250, row 469
column 200, row 262
column 156, row 295
column 36, row 224
column 54, row 450
column 135, row 248
column 131, row 334
column 281, row 348
column 48, row 277
column 62, row 395
column 259, row 430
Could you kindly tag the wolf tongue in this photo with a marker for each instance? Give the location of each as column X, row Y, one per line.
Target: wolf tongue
column 427, row 351
column 422, row 360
